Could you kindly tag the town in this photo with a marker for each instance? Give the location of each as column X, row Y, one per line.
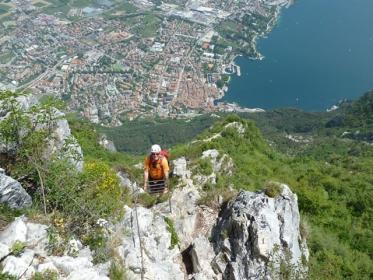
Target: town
column 112, row 59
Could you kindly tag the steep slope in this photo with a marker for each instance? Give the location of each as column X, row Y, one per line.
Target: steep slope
column 356, row 118
column 332, row 181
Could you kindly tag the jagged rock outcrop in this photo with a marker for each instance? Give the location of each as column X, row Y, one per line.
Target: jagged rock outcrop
column 190, row 222
column 190, row 219
column 125, row 182
column 222, row 164
column 180, row 168
column 35, row 257
column 251, row 238
column 256, row 233
column 64, row 143
column 201, row 254
column 107, row 144
column 12, row 193
column 238, row 126
column 160, row 260
column 60, row 142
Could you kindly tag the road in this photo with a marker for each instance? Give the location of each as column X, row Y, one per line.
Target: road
column 42, row 75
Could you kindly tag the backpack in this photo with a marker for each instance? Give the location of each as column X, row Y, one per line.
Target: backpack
column 166, row 154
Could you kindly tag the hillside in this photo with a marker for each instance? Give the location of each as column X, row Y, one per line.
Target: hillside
column 352, row 120
column 331, row 175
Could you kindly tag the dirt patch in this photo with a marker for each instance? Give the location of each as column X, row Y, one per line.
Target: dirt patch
column 3, row 224
column 206, row 218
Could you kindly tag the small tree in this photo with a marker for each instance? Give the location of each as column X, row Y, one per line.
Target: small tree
column 14, row 122
column 25, row 133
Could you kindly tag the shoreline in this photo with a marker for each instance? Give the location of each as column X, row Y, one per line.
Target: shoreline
column 237, row 69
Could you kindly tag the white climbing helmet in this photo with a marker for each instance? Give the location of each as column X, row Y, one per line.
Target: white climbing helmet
column 156, row 149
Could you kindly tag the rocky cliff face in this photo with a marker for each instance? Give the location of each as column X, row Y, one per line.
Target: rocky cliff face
column 64, row 143
column 12, row 193
column 253, row 237
column 35, row 257
column 256, row 234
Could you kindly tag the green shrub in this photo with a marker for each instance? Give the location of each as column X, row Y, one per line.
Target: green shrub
column 100, row 186
column 7, row 276
column 8, row 214
column 147, row 200
column 204, row 166
column 18, row 248
column 45, row 275
column 57, row 244
column 97, row 240
column 304, row 228
column 211, row 198
column 273, row 189
column 84, row 197
column 171, row 228
column 117, row 271
column 281, row 267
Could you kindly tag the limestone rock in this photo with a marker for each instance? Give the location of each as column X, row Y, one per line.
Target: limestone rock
column 224, row 164
column 12, row 193
column 190, row 220
column 27, row 101
column 159, row 258
column 37, row 238
column 202, row 255
column 68, row 264
column 125, row 182
column 86, row 274
column 238, row 126
column 18, row 266
column 107, row 144
column 4, row 250
column 255, row 231
column 35, row 258
column 63, row 142
column 213, row 154
column 103, row 268
column 16, row 231
column 180, row 168
column 216, row 163
column 184, row 214
column 85, row 253
column 61, row 139
column 47, row 266
column 73, row 247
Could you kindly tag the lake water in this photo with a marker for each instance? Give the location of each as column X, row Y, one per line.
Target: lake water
column 320, row 52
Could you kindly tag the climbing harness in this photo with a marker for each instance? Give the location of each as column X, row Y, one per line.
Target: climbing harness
column 157, row 187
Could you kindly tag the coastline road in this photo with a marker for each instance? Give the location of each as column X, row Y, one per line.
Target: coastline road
column 41, row 76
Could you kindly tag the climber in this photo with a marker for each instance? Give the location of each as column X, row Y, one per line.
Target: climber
column 156, row 171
